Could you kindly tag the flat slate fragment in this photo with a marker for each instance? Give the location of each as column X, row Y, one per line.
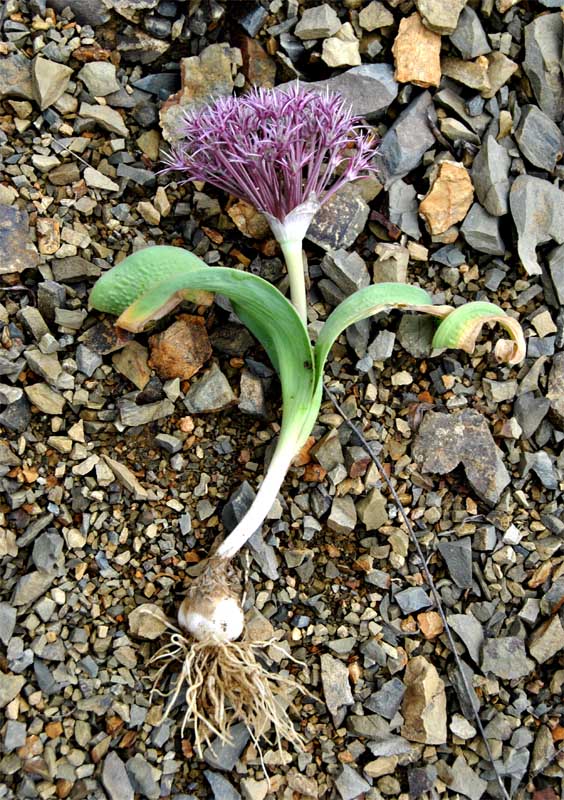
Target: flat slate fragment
column 340, row 221
column 506, row 658
column 16, row 249
column 446, row 440
column 368, row 89
column 543, row 52
column 537, row 207
column 15, row 77
column 405, row 143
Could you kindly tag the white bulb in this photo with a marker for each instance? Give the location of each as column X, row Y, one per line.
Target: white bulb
column 224, row 623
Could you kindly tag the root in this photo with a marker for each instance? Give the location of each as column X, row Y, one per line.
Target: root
column 224, row 683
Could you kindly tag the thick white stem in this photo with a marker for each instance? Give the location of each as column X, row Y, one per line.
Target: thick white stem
column 264, row 500
column 290, row 235
column 293, row 256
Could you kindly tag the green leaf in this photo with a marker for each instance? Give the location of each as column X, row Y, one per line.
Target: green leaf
column 122, row 285
column 461, row 328
column 149, row 283
column 365, row 303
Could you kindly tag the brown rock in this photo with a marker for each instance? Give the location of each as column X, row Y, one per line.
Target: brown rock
column 250, row 222
column 430, row 624
column 449, row 198
column 48, row 235
column 132, row 361
column 470, row 73
column 53, row 729
column 258, row 67
column 182, row 349
column 424, row 704
column 91, row 52
column 417, row 53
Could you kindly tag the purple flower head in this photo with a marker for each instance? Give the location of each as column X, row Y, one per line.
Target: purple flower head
column 277, row 149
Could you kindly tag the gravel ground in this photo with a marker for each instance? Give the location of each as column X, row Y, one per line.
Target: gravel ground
column 116, row 476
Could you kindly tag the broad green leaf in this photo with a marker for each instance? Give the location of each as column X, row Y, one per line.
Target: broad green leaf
column 147, row 284
column 118, row 288
column 365, row 303
column 461, row 328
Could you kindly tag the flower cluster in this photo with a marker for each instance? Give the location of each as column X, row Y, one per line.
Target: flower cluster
column 276, row 149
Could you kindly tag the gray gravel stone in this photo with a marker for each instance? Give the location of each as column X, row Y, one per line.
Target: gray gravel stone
column 440, row 17
column 415, row 334
column 17, row 251
column 530, row 411
column 466, row 781
column 171, row 444
column 372, row 510
column 350, row 784
column 481, row 231
column 73, row 268
column 413, row 599
column 131, row 414
column 555, row 393
column 87, row 360
column 211, row 393
column 470, row 631
column 539, row 138
column 404, row 145
column 47, row 552
column 506, row 658
column 444, row 441
column 224, row 756
column 541, row 464
column 99, row 77
column 115, row 778
column 543, row 52
column 469, row 37
column 141, row 777
column 15, row 77
column 49, row 80
column 387, row 700
column 467, row 702
column 458, row 557
column 31, row 587
column 347, row 270
column 220, row 786
column 340, row 221
column 10, row 687
column 547, row 640
column 404, row 208
column 490, row 176
column 318, row 22
column 342, row 518
column 7, row 622
column 538, row 209
column 14, row 735
column 336, row 687
column 368, row 89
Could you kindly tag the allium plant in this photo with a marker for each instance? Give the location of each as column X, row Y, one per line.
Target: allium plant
column 222, row 680
column 286, row 152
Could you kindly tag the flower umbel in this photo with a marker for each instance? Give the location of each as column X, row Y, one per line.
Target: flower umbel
column 284, row 151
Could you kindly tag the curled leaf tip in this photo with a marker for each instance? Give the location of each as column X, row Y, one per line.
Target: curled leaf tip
column 462, row 327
